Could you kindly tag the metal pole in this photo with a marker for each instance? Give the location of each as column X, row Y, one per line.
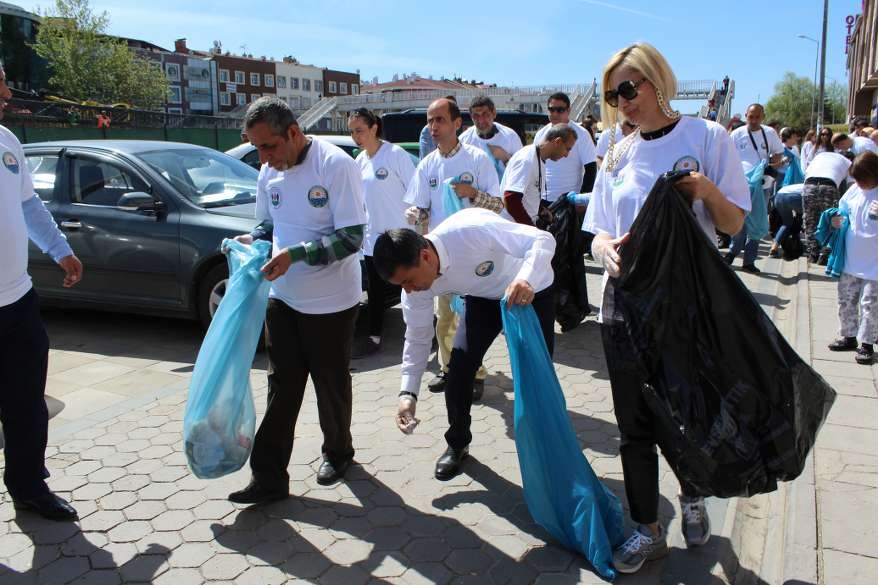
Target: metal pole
column 822, row 67
column 814, row 87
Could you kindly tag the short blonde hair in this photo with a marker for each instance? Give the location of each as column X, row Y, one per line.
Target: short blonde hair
column 648, row 61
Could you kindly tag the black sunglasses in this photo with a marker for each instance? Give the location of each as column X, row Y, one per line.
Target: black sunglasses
column 627, row 89
column 557, row 109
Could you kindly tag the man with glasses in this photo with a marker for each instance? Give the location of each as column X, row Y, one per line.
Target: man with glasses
column 501, row 141
column 575, row 172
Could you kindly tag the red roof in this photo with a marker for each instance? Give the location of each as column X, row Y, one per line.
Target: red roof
column 416, row 82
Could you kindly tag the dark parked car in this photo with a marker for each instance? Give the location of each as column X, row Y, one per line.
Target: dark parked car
column 146, row 219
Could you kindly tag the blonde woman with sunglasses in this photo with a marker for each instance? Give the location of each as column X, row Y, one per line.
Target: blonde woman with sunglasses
column 638, row 85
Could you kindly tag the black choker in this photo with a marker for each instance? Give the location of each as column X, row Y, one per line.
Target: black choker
column 652, row 135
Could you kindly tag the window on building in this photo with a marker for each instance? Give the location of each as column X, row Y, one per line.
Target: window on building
column 306, row 84
column 294, row 83
column 333, row 88
column 225, row 98
column 269, row 80
column 254, row 97
column 175, row 110
column 224, row 75
column 343, row 88
column 306, row 102
column 255, row 79
column 282, row 81
column 175, row 96
column 172, row 70
column 239, row 77
column 318, row 85
column 240, row 99
column 355, row 89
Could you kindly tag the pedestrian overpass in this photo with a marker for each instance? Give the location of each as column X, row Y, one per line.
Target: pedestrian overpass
column 584, row 100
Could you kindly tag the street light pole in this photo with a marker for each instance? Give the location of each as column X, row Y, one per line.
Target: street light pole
column 822, row 67
column 816, row 58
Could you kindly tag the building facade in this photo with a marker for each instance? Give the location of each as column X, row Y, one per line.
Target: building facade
column 863, row 64
column 25, row 69
column 300, row 86
column 242, row 79
column 338, row 84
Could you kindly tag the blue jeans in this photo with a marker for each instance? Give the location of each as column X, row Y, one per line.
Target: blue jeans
column 787, row 204
column 741, row 241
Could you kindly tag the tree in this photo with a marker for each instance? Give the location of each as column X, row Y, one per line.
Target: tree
column 86, row 64
column 794, row 98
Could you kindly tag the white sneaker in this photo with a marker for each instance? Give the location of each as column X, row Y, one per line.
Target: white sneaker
column 696, row 522
column 640, row 547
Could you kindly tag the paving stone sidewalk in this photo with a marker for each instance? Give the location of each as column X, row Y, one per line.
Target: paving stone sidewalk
column 146, row 519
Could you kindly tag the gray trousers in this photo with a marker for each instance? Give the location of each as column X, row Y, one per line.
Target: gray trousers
column 858, row 308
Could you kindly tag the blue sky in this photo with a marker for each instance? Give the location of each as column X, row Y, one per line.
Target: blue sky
column 521, row 42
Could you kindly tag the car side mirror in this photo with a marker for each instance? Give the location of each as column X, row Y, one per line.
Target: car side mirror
column 139, row 201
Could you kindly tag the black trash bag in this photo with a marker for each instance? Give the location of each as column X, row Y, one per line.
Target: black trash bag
column 571, row 297
column 736, row 409
column 791, row 243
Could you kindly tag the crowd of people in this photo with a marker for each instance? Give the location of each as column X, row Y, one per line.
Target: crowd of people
column 457, row 233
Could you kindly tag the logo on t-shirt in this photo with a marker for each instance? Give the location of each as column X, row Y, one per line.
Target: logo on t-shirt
column 10, row 162
column 433, row 182
column 381, row 174
column 318, row 196
column 687, row 163
column 274, row 194
column 467, row 178
column 485, row 268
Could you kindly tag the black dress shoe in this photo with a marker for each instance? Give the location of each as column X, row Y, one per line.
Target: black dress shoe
column 751, row 268
column 256, row 493
column 449, row 464
column 478, row 390
column 47, row 505
column 437, row 384
column 329, row 473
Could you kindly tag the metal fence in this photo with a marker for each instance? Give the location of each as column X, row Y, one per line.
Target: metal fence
column 51, row 113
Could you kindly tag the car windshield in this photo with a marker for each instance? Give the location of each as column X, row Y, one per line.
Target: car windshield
column 205, row 177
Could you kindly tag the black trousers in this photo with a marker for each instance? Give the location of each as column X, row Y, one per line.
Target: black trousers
column 638, row 442
column 298, row 345
column 378, row 290
column 478, row 329
column 24, row 357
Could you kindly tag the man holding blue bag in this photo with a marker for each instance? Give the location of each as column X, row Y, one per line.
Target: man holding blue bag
column 310, row 204
column 477, row 254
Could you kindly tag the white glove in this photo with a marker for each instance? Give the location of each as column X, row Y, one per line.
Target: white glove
column 606, row 252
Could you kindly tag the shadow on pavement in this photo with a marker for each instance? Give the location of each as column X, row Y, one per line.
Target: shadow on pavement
column 388, row 533
column 62, row 553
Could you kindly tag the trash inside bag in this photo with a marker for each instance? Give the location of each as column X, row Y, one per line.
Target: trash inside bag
column 220, row 420
column 736, row 408
column 568, row 499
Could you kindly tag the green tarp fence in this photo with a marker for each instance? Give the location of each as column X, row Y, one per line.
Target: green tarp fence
column 218, row 138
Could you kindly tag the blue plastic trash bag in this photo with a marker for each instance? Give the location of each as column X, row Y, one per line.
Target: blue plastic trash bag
column 220, row 420
column 452, row 204
column 567, row 499
column 794, row 174
column 498, row 166
column 756, row 222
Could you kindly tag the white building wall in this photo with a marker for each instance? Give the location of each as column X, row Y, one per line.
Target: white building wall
column 301, row 86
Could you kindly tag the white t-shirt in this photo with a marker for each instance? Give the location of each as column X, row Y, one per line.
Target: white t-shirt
column 565, row 175
column 525, row 174
column 16, row 187
column 386, row 178
column 861, row 242
column 604, row 141
column 469, row 163
column 694, row 144
column 807, row 154
column 480, row 253
column 311, row 200
column 863, row 144
column 506, row 138
column 828, row 165
column 766, row 145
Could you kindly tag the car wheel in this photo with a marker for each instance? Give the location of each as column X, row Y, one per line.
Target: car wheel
column 211, row 291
